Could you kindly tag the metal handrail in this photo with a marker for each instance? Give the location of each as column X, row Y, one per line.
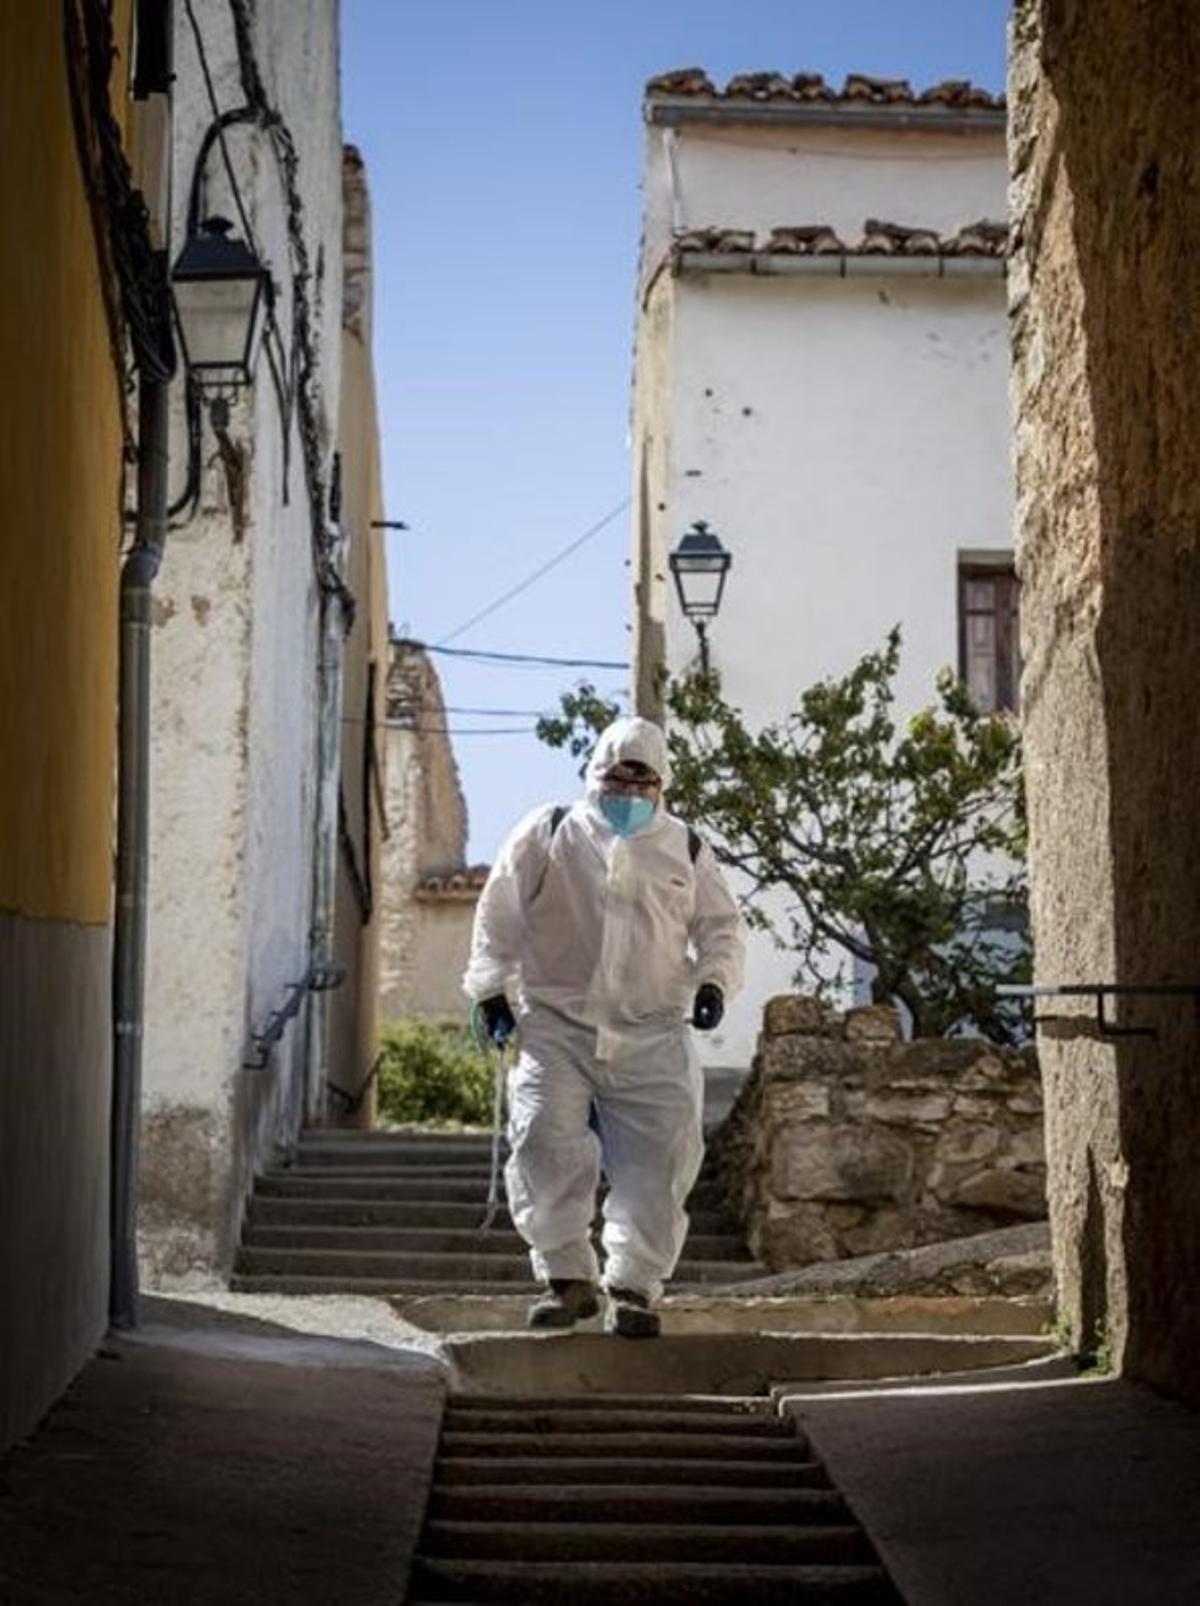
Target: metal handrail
column 317, row 979
column 352, row 1102
column 1100, row 990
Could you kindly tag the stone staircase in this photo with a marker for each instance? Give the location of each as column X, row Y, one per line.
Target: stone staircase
column 616, row 1498
column 384, row 1213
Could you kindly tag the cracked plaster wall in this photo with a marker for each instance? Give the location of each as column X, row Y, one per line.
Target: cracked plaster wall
column 233, row 693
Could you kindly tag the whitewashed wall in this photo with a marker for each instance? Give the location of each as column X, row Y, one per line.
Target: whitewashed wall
column 845, row 437
column 234, row 720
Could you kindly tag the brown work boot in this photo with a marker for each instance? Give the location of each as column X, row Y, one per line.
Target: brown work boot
column 629, row 1315
column 567, row 1300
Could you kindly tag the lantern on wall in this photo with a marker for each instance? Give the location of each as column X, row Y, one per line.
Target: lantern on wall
column 222, row 292
column 699, row 565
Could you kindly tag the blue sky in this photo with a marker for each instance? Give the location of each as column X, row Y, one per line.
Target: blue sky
column 503, row 149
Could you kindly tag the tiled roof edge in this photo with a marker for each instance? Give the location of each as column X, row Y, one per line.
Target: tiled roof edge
column 858, row 89
column 986, row 238
column 452, row 885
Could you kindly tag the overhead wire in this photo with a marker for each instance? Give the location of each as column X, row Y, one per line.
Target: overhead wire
column 518, row 657
column 530, row 579
column 450, row 708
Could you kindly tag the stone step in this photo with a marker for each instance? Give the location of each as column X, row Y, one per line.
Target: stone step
column 642, row 1503
column 464, row 1171
column 738, row 1405
column 301, row 1183
column 417, row 1132
column 636, row 1444
column 519, row 1418
column 625, row 1471
column 446, row 1241
column 596, row 1583
column 293, row 1182
column 708, row 1362
column 429, row 1213
column 696, row 1539
column 462, row 1268
column 283, row 1211
column 375, row 1182
column 368, row 1287
column 396, row 1155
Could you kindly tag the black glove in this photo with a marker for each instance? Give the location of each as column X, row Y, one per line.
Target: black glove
column 708, row 1008
column 498, row 1019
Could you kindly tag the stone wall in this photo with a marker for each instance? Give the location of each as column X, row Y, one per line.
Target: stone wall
column 846, row 1140
column 1105, row 162
column 428, row 892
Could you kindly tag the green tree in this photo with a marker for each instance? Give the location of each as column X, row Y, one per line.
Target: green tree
column 903, row 849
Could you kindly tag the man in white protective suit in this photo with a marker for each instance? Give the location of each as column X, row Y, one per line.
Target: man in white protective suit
column 603, row 929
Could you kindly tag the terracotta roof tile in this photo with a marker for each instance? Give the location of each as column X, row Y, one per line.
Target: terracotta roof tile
column 720, row 241
column 452, row 886
column 759, row 86
column 958, row 92
column 682, row 81
column 986, row 238
column 877, row 91
column 812, row 86
column 810, row 240
column 858, row 89
column 894, row 239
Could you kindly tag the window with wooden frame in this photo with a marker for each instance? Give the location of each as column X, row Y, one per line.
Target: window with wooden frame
column 989, row 651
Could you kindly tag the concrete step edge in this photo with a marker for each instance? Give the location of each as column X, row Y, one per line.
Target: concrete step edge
column 614, row 1574
column 532, row 1539
column 722, row 1447
column 338, row 1259
column 730, row 1405
column 356, row 1238
column 563, row 1422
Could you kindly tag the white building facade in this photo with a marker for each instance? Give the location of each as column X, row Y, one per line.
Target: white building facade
column 821, row 376
column 241, row 774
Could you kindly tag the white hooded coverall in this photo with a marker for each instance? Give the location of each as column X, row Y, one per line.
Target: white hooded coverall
column 602, row 941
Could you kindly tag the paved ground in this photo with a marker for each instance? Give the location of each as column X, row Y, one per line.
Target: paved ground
column 232, row 1453
column 216, row 1460
column 1063, row 1493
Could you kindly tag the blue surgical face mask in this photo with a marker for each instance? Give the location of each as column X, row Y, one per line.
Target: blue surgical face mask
column 626, row 814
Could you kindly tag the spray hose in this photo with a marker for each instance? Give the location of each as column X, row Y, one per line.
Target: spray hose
column 499, row 1087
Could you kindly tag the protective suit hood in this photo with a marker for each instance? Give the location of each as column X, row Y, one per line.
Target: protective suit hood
column 637, row 739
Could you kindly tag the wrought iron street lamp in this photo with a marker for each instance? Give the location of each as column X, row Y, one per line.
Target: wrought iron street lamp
column 221, row 295
column 699, row 564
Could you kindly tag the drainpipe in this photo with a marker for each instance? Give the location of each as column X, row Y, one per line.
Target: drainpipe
column 152, row 84
column 325, row 844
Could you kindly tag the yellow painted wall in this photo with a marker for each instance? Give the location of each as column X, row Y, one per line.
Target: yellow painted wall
column 60, row 459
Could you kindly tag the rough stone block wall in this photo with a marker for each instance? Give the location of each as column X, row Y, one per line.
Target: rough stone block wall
column 1104, row 287
column 846, row 1140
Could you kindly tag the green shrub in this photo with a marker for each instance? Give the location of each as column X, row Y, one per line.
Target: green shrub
column 432, row 1073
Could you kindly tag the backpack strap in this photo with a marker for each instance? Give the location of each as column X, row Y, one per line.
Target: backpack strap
column 557, row 816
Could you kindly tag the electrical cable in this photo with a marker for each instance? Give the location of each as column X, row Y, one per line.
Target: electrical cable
column 219, row 123
column 523, row 585
column 463, row 730
column 452, row 708
column 519, row 657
